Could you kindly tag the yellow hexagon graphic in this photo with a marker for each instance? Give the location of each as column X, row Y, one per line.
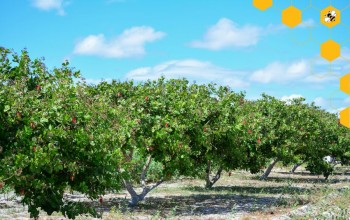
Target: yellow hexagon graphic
column 330, row 16
column 262, row 4
column 330, row 50
column 345, row 83
column 345, row 117
column 291, row 16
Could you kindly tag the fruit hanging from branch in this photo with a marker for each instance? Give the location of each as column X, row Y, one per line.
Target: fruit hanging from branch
column 32, row 124
column 74, row 120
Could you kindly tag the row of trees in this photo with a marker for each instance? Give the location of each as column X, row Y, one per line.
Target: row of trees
column 58, row 133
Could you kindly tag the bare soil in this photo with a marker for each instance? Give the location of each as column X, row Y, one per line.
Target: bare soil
column 239, row 196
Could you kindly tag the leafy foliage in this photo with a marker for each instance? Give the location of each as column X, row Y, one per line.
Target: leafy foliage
column 57, row 132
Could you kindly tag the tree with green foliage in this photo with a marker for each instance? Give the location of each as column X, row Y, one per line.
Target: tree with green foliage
column 155, row 118
column 53, row 137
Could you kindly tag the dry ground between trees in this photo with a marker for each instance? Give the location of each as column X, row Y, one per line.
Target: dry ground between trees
column 239, row 196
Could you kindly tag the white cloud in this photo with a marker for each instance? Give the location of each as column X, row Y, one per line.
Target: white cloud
column 307, row 23
column 336, row 111
column 48, row 5
column 225, row 34
column 320, row 101
column 281, row 72
column 347, row 101
column 201, row 72
column 291, row 97
column 130, row 43
column 320, row 78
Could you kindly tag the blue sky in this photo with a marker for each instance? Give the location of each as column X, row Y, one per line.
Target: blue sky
column 222, row 41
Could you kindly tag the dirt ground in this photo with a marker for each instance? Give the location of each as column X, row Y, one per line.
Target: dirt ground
column 239, row 196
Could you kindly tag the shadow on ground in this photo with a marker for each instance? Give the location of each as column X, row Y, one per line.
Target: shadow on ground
column 314, row 175
column 204, row 204
column 294, row 179
column 252, row 189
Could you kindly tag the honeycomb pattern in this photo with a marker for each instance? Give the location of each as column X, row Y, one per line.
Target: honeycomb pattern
column 262, row 4
column 345, row 117
column 291, row 16
column 345, row 83
column 330, row 16
column 330, row 50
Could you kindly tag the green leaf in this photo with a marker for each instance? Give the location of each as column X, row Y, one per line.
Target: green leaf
column 7, row 108
column 43, row 120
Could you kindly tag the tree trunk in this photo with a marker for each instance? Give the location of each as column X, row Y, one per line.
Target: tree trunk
column 136, row 198
column 294, row 167
column 209, row 182
column 268, row 170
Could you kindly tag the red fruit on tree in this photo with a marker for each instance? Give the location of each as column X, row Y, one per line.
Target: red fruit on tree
column 37, row 87
column 166, row 125
column 100, row 200
column 259, row 141
column 204, row 129
column 71, row 178
column 146, row 98
column 18, row 114
column 119, row 94
column 32, row 124
column 249, row 131
column 74, row 120
column 22, row 192
column 34, row 148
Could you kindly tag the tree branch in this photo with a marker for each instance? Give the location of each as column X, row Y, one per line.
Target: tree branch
column 144, row 170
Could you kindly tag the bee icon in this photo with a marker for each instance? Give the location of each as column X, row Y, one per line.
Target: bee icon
column 330, row 16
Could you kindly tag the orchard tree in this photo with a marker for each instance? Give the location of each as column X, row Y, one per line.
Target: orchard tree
column 154, row 118
column 282, row 125
column 297, row 132
column 330, row 139
column 214, row 146
column 252, row 136
column 53, row 137
column 222, row 150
